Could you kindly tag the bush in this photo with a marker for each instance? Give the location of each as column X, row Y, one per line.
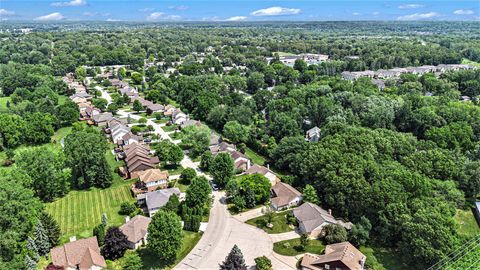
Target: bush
column 127, row 208
column 263, row 263
column 334, row 234
column 187, row 175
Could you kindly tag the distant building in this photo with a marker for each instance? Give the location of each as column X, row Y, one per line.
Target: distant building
column 313, row 134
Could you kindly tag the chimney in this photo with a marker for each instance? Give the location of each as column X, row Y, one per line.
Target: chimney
column 330, row 212
column 127, row 219
column 268, row 166
column 73, row 238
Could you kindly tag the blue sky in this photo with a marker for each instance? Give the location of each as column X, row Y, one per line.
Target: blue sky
column 237, row 10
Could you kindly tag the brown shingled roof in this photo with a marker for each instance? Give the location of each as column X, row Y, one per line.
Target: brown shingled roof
column 336, row 254
column 136, row 228
column 84, row 252
column 152, row 175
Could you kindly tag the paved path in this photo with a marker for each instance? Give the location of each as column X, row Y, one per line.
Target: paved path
column 222, row 233
column 257, row 212
column 277, row 237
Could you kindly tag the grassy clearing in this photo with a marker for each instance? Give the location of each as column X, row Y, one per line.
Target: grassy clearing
column 292, row 247
column 61, row 133
column 151, row 261
column 383, row 259
column 3, row 104
column 81, row 210
column 467, row 224
column 470, row 62
column 255, row 157
column 62, row 99
column 172, row 169
column 279, row 223
column 169, row 128
column 284, row 54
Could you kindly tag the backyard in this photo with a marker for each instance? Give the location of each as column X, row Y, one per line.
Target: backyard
column 292, row 247
column 279, row 223
column 467, row 224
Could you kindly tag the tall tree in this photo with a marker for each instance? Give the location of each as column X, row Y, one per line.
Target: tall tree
column 169, row 152
column 41, row 240
column 85, row 155
column 46, row 166
column 51, row 227
column 165, row 235
column 222, row 169
column 32, row 249
column 234, row 260
column 116, row 243
column 310, row 194
column 198, row 193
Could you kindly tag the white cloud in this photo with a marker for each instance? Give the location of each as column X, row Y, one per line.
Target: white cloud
column 173, row 17
column 236, row 18
column 90, row 14
column 418, row 16
column 463, row 12
column 355, row 14
column 179, row 7
column 146, row 9
column 56, row 16
column 73, row 3
column 4, row 12
column 375, row 13
column 276, row 11
column 155, row 16
column 410, row 6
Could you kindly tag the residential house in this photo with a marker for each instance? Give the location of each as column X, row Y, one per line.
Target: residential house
column 81, row 94
column 240, row 161
column 168, row 110
column 83, row 254
column 118, row 131
column 150, row 180
column 136, row 230
column 379, row 83
column 285, row 196
column 272, row 177
column 155, row 200
column 477, row 212
column 130, row 138
column 312, row 218
column 313, row 134
column 102, row 118
column 137, row 159
column 222, row 147
column 190, row 122
column 179, row 117
column 145, row 103
column 153, row 108
column 215, row 139
column 340, row 256
column 118, row 83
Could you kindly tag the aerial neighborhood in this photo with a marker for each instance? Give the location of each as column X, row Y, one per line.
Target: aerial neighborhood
column 238, row 144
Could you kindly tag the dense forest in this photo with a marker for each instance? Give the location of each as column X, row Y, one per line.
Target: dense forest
column 405, row 157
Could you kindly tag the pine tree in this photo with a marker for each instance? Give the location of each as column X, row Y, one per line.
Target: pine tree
column 99, row 232
column 104, row 220
column 234, row 260
column 51, row 227
column 250, row 198
column 30, row 264
column 41, row 240
column 32, row 248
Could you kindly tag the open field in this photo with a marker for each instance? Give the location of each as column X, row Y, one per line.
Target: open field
column 383, row 259
column 467, row 224
column 256, row 158
column 284, row 53
column 469, row 62
column 3, row 104
column 81, row 210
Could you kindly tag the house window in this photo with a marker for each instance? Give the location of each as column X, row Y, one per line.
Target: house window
column 327, row 267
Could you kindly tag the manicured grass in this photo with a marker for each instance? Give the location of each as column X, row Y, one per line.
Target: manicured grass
column 256, row 158
column 151, row 261
column 169, row 128
column 292, row 247
column 81, row 210
column 383, row 259
column 3, row 104
column 161, row 121
column 279, row 223
column 61, row 133
column 470, row 62
column 172, row 169
column 467, row 224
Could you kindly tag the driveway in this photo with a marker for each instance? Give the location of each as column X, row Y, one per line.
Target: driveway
column 284, row 236
column 222, row 233
column 257, row 212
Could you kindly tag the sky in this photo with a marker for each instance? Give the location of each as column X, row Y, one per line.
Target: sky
column 237, row 10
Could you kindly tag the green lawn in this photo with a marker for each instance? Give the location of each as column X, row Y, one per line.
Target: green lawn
column 151, row 261
column 81, row 210
column 3, row 104
column 284, row 54
column 172, row 169
column 467, row 224
column 161, row 121
column 169, row 128
column 292, row 247
column 279, row 223
column 62, row 99
column 256, row 158
column 470, row 62
column 61, row 133
column 383, row 259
